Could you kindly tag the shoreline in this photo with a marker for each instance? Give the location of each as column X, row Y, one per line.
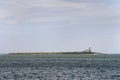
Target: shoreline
column 29, row 53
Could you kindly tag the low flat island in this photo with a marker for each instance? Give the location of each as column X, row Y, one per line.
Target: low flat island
column 87, row 51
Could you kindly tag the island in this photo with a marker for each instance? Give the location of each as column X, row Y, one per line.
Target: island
column 87, row 51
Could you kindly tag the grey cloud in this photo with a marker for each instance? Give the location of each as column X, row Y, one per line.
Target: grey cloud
column 92, row 1
column 17, row 11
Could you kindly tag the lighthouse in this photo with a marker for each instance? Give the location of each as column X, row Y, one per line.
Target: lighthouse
column 89, row 50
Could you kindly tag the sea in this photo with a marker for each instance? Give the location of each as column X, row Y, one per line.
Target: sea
column 60, row 67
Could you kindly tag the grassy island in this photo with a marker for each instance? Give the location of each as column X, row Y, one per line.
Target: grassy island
column 87, row 51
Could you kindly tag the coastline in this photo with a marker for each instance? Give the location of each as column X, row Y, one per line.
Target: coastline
column 29, row 53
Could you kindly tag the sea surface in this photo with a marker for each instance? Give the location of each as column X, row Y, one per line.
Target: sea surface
column 60, row 67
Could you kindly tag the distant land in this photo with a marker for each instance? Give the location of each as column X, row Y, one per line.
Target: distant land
column 87, row 51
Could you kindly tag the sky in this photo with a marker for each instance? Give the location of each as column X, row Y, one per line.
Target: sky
column 59, row 25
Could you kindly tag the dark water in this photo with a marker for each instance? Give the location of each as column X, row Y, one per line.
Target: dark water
column 60, row 67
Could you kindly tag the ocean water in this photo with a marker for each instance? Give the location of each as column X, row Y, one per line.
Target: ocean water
column 60, row 67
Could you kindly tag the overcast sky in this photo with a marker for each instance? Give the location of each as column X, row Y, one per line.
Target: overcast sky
column 59, row 25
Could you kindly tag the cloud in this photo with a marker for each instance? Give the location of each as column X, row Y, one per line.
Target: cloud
column 17, row 11
column 60, row 4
